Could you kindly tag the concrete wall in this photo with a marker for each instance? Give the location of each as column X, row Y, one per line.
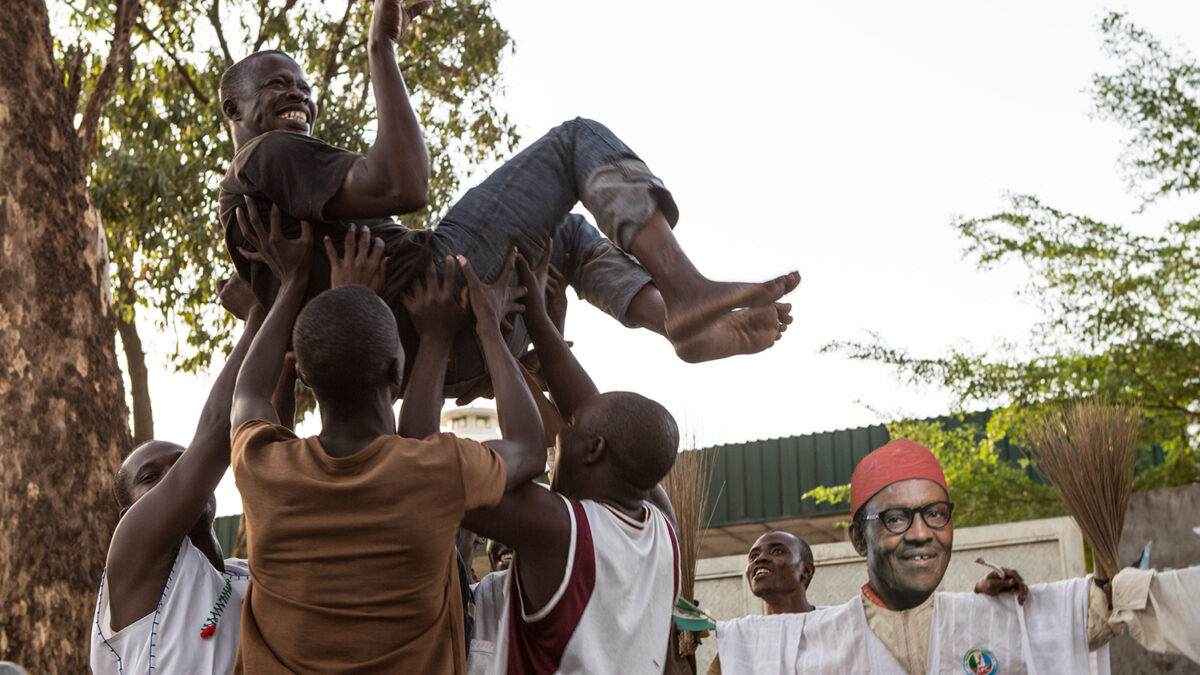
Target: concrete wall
column 1166, row 516
column 1042, row 550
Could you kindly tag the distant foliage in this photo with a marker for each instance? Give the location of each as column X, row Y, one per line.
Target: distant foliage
column 1121, row 309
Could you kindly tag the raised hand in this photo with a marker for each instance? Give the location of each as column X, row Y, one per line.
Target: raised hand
column 390, row 20
column 536, row 280
column 491, row 303
column 287, row 258
column 236, row 296
column 997, row 582
column 433, row 302
column 362, row 261
column 556, row 296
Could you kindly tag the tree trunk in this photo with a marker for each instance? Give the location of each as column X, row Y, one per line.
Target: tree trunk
column 135, row 365
column 64, row 422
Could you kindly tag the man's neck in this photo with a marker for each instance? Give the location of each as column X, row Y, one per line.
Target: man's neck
column 347, row 427
column 620, row 496
column 787, row 603
column 204, row 538
column 893, row 601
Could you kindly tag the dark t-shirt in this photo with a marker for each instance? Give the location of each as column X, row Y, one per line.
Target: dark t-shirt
column 300, row 174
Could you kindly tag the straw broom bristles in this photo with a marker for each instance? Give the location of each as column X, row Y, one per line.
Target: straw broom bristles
column 687, row 486
column 1088, row 452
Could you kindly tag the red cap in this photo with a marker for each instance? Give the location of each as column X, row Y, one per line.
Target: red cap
column 899, row 460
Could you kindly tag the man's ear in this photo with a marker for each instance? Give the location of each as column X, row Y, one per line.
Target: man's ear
column 595, row 451
column 806, row 574
column 230, row 109
column 858, row 538
column 396, row 375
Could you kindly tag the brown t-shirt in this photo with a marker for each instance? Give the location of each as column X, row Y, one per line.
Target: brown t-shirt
column 352, row 559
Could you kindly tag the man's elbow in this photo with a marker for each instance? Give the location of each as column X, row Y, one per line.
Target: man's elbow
column 411, row 195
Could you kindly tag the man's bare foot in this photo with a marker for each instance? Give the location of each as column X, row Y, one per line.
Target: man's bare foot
column 693, row 310
column 742, row 331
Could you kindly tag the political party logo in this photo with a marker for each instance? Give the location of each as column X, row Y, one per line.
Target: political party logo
column 980, row 661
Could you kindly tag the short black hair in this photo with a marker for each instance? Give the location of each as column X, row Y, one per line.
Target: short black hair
column 806, row 554
column 120, row 487
column 233, row 80
column 802, row 548
column 345, row 341
column 640, row 433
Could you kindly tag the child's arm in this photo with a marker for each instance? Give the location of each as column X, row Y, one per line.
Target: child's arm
column 393, row 177
column 147, row 538
column 523, row 443
column 289, row 261
column 437, row 317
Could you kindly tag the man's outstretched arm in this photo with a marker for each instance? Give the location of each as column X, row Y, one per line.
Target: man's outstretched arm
column 569, row 383
column 393, row 177
column 289, row 260
column 523, row 442
column 145, row 542
column 437, row 318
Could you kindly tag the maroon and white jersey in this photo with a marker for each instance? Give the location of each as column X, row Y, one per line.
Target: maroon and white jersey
column 612, row 611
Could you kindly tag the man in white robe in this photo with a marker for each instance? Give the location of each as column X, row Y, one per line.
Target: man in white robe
column 903, row 525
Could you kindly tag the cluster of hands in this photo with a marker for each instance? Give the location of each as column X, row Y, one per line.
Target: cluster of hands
column 438, row 307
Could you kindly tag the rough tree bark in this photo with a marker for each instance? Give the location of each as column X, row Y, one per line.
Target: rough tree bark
column 64, row 422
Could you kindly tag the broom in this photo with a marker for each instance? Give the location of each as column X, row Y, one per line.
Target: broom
column 1088, row 452
column 687, row 486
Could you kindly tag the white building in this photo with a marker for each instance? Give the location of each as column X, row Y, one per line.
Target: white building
column 477, row 424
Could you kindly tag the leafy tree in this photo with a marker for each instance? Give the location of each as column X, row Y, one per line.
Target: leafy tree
column 65, row 422
column 163, row 146
column 1122, row 309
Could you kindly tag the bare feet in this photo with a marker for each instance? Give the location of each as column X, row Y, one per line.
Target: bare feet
column 694, row 310
column 742, row 331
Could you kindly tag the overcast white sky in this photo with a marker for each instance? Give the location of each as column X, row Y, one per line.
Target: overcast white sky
column 838, row 139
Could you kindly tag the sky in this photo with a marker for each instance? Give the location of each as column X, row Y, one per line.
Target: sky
column 837, row 139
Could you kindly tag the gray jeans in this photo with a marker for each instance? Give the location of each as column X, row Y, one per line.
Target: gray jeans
column 528, row 200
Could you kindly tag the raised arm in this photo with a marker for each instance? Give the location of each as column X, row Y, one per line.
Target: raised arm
column 148, row 536
column 568, row 382
column 289, row 260
column 523, row 443
column 437, row 317
column 393, row 177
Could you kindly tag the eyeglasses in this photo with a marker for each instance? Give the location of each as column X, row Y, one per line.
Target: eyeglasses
column 897, row 520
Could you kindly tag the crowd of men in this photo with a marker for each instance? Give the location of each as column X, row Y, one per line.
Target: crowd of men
column 351, row 534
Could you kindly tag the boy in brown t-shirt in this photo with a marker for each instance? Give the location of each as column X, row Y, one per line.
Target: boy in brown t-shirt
column 351, row 532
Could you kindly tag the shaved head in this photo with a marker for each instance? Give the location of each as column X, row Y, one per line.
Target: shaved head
column 143, row 468
column 640, row 434
column 235, row 79
column 346, row 342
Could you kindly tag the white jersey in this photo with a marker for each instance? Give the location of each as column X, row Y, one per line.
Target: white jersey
column 612, row 611
column 196, row 600
column 971, row 633
column 490, row 600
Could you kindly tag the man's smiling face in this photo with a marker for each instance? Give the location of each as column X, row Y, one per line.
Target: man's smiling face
column 276, row 97
column 904, row 569
column 774, row 565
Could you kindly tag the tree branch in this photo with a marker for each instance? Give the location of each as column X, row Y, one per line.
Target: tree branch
column 118, row 52
column 179, row 65
column 214, row 18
